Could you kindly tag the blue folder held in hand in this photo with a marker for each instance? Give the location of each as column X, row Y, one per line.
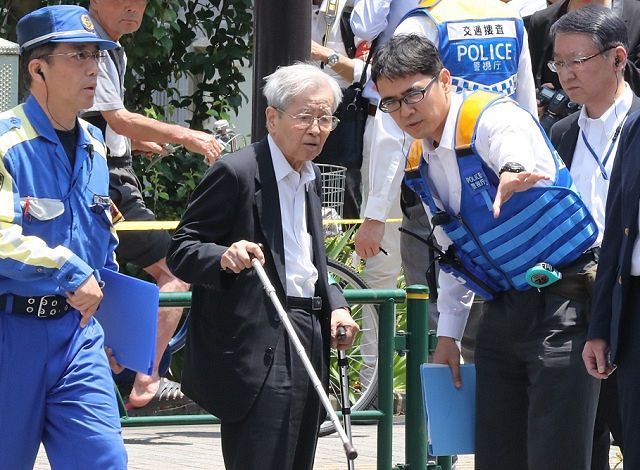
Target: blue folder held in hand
column 128, row 314
column 450, row 412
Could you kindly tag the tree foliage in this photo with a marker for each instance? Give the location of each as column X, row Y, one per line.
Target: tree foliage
column 161, row 52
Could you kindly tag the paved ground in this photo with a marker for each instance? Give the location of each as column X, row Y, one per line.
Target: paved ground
column 198, row 448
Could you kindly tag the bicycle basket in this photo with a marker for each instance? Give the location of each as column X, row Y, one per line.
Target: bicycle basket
column 333, row 180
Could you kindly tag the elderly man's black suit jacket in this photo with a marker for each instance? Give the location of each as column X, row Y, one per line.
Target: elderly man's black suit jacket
column 541, row 46
column 234, row 328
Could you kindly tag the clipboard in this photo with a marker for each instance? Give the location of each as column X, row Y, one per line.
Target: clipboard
column 450, row 412
column 128, row 314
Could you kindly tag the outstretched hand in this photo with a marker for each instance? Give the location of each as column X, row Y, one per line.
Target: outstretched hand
column 514, row 183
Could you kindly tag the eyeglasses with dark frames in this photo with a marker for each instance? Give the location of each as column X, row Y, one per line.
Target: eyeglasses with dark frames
column 389, row 105
column 82, row 57
column 306, row 120
column 574, row 64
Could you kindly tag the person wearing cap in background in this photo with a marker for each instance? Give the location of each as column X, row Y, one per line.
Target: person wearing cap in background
column 124, row 132
column 55, row 234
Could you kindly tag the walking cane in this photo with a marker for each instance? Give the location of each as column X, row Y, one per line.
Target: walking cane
column 349, row 450
column 344, row 391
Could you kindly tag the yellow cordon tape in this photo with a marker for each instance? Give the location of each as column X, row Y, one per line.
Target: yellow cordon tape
column 416, row 296
column 172, row 224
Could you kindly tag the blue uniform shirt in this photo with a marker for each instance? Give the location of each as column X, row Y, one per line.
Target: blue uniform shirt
column 55, row 221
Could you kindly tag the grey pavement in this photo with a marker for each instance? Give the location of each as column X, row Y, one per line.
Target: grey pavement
column 198, row 447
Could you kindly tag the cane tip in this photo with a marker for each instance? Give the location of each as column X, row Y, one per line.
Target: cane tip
column 351, row 451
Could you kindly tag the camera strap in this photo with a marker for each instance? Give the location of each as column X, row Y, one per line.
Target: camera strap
column 602, row 164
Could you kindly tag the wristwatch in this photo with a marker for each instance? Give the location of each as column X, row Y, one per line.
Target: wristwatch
column 333, row 59
column 511, row 167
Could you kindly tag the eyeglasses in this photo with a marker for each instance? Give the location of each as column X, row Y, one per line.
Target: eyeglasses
column 305, row 120
column 389, row 105
column 574, row 64
column 82, row 57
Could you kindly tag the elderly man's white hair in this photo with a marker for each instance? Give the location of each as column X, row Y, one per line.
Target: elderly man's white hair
column 286, row 83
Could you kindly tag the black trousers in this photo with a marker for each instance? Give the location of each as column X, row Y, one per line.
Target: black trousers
column 607, row 422
column 280, row 432
column 352, row 194
column 628, row 373
column 536, row 404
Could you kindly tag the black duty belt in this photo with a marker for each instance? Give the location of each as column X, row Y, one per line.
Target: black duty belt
column 119, row 162
column 310, row 304
column 46, row 306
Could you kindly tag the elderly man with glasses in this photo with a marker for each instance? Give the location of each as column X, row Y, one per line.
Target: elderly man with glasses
column 502, row 203
column 263, row 201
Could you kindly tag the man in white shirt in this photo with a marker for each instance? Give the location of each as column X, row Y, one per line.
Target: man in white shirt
column 329, row 43
column 390, row 144
column 377, row 20
column 390, row 147
column 587, row 142
column 529, row 342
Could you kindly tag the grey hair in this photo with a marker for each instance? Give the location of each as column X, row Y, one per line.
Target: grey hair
column 283, row 85
column 604, row 26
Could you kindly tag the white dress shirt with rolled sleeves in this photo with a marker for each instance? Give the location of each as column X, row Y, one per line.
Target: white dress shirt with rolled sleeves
column 504, row 133
column 334, row 40
column 379, row 19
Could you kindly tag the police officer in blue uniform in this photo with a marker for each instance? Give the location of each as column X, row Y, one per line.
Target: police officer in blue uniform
column 502, row 202
column 55, row 234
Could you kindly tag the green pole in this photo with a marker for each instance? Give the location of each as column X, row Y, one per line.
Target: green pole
column 418, row 350
column 353, row 296
column 386, row 333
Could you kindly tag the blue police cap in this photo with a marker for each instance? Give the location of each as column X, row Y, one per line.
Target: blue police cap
column 60, row 23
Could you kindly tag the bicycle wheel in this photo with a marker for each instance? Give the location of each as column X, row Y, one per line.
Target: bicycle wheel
column 362, row 356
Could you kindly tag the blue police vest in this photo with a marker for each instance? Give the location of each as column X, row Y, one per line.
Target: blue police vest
column 479, row 42
column 543, row 224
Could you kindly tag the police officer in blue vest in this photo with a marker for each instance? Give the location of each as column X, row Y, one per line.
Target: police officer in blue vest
column 484, row 46
column 506, row 217
column 55, row 234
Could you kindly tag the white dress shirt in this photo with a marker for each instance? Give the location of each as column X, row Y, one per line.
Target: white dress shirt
column 298, row 253
column 387, row 150
column 602, row 134
column 504, row 133
column 334, row 40
column 373, row 19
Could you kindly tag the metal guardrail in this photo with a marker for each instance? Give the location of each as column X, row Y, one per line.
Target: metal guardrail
column 416, row 343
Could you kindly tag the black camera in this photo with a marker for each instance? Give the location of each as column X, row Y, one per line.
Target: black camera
column 557, row 105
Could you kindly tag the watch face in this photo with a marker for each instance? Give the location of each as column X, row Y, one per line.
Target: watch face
column 333, row 59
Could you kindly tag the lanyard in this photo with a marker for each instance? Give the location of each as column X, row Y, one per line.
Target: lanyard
column 603, row 163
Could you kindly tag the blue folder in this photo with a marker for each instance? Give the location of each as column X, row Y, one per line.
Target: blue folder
column 128, row 314
column 450, row 412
